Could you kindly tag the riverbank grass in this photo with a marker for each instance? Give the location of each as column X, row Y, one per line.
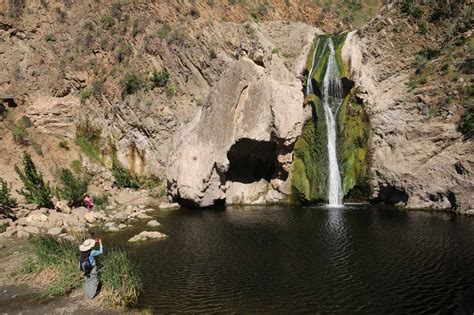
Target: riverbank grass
column 54, row 264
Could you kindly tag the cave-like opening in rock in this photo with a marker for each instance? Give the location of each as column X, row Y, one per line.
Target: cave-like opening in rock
column 251, row 160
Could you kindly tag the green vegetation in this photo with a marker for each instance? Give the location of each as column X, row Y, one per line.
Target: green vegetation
column 20, row 133
column 131, row 83
column 251, row 31
column 6, row 199
column 466, row 124
column 159, row 78
column 35, row 190
column 55, row 261
column 88, row 138
column 164, row 31
column 170, row 89
column 123, row 51
column 108, row 21
column 309, row 168
column 72, row 188
column 85, row 95
column 259, row 11
column 97, row 88
column 101, row 201
column 123, row 176
column 429, row 53
column 276, row 50
column 353, row 132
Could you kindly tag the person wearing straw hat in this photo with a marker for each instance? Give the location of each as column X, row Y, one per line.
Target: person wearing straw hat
column 88, row 265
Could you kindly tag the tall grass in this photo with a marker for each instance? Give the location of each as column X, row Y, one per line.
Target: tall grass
column 55, row 264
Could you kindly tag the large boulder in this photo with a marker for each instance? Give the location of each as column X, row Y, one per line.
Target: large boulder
column 147, row 235
column 62, row 206
column 240, row 139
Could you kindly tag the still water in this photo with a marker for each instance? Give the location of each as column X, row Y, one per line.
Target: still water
column 306, row 259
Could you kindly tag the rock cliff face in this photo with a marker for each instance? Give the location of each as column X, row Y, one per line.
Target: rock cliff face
column 239, row 146
column 418, row 159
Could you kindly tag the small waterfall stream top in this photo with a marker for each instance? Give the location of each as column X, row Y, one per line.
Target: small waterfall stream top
column 332, row 96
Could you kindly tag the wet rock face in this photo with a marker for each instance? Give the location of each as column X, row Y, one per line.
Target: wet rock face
column 238, row 148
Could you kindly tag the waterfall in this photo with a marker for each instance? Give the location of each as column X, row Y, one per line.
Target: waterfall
column 332, row 94
column 332, row 99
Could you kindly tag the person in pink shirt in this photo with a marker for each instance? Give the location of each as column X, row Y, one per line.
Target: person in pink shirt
column 88, row 202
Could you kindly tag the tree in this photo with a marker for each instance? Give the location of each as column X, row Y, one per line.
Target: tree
column 72, row 188
column 6, row 199
column 35, row 190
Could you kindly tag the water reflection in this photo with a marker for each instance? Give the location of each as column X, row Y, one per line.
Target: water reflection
column 306, row 259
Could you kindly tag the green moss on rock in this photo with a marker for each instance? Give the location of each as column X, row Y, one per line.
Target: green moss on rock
column 309, row 169
column 353, row 131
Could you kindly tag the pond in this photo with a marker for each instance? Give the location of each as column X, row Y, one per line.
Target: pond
column 305, row 259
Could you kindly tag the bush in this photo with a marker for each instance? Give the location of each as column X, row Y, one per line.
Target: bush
column 251, row 32
column 164, row 31
column 85, row 95
column 468, row 66
column 159, row 78
column 123, row 51
column 170, row 89
column 97, row 88
column 131, row 83
column 49, row 38
column 88, row 138
column 56, row 262
column 101, row 201
column 35, row 190
column 108, row 21
column 276, row 50
column 72, row 188
column 417, row 12
column 466, row 123
column 19, row 131
column 6, row 199
column 123, row 177
column 423, row 27
column 429, row 53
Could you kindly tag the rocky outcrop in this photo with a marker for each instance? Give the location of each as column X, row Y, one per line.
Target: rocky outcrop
column 147, row 235
column 413, row 153
column 238, row 148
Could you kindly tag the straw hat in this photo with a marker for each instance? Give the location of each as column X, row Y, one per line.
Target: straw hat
column 88, row 244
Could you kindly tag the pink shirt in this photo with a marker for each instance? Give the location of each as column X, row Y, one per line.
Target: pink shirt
column 89, row 201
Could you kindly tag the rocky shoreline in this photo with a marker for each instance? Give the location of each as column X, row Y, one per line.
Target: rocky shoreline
column 64, row 222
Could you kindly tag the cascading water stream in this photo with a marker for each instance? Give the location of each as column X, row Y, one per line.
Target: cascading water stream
column 332, row 94
column 332, row 99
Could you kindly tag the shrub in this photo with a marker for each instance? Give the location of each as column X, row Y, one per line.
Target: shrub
column 136, row 28
column 164, row 31
column 85, row 95
column 131, row 83
column 56, row 261
column 423, row 27
column 116, row 10
column 199, row 102
column 20, row 135
column 159, row 78
column 417, row 12
column 88, row 138
column 405, row 6
column 123, row 177
column 170, row 89
column 6, row 199
column 212, row 53
column 35, row 190
column 72, row 188
column 123, row 51
column 259, row 11
column 194, row 12
column 429, row 53
column 276, row 50
column 468, row 66
column 101, row 201
column 251, row 32
column 466, row 123
column 97, row 88
column 107, row 21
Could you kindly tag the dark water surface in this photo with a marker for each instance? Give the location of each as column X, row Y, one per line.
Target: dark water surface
column 288, row 258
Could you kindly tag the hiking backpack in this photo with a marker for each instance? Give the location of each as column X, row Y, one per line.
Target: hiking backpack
column 85, row 265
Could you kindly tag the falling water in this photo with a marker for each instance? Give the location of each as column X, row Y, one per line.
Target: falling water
column 332, row 98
